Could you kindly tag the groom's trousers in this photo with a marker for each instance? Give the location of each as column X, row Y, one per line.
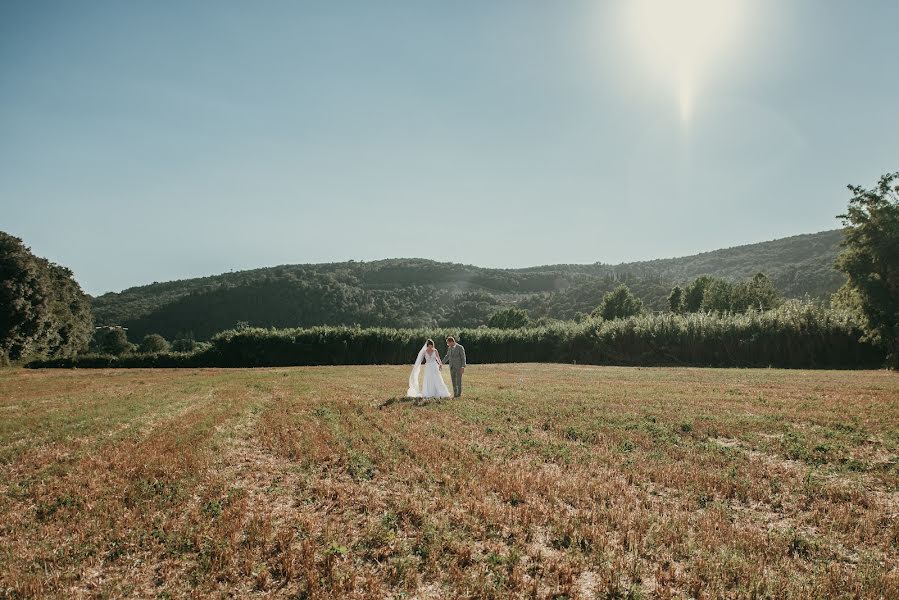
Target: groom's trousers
column 456, row 376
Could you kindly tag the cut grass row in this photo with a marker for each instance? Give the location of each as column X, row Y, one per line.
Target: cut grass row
column 543, row 481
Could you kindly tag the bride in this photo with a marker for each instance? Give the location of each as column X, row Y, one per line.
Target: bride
column 433, row 386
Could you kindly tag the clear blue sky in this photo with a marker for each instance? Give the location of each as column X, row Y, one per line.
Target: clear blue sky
column 149, row 141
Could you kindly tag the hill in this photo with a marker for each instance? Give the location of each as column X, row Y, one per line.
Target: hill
column 418, row 292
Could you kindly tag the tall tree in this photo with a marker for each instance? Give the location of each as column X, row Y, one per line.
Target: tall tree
column 73, row 322
column 757, row 294
column 718, row 295
column 619, row 304
column 25, row 299
column 676, row 299
column 694, row 293
column 870, row 258
column 42, row 308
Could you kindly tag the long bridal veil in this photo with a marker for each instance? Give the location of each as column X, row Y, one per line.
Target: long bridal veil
column 414, row 390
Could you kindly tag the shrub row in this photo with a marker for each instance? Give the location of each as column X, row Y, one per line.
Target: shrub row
column 792, row 336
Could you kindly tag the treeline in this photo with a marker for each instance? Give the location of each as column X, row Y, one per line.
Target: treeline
column 43, row 311
column 408, row 293
column 719, row 295
column 289, row 300
column 794, row 335
column 294, row 300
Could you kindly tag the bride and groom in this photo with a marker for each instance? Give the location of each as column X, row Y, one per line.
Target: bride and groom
column 433, row 385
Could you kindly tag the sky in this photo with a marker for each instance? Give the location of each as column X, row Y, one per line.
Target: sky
column 151, row 141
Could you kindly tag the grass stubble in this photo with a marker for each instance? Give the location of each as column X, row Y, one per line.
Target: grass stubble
column 545, row 481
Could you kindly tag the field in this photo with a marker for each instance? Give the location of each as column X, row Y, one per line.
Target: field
column 546, row 481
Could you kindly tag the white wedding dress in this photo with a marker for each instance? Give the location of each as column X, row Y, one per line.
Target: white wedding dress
column 433, row 385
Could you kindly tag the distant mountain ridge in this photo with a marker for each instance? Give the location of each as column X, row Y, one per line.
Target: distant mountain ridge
column 417, row 292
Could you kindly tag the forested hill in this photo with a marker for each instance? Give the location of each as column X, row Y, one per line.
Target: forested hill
column 415, row 292
column 798, row 265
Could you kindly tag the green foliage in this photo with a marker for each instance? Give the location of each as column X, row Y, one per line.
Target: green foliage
column 849, row 299
column 577, row 301
column 43, row 311
column 73, row 322
column 619, row 304
column 509, row 318
column 798, row 266
column 111, row 340
column 153, row 343
column 186, row 342
column 756, row 294
column 468, row 309
column 870, row 258
column 794, row 335
column 25, row 318
column 676, row 300
column 695, row 293
column 717, row 296
column 420, row 293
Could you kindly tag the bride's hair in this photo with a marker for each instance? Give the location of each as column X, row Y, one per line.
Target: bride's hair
column 429, row 342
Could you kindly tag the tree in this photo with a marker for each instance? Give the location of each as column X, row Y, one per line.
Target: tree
column 848, row 298
column 184, row 342
column 717, row 296
column 757, row 294
column 870, row 258
column 25, row 314
column 73, row 322
column 509, row 318
column 618, row 304
column 676, row 299
column 111, row 340
column 694, row 294
column 153, row 343
column 42, row 308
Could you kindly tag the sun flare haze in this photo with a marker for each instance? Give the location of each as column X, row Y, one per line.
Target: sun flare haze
column 681, row 42
column 140, row 143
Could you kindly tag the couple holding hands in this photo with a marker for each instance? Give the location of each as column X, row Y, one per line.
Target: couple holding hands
column 433, row 385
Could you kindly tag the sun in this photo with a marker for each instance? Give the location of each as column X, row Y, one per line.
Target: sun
column 682, row 40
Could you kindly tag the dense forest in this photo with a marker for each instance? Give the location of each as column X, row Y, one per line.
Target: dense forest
column 424, row 293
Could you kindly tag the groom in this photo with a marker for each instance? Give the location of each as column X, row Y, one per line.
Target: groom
column 455, row 358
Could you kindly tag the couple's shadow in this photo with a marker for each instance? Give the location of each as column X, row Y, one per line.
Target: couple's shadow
column 413, row 401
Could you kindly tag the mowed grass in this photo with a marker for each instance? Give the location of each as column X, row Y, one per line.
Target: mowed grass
column 545, row 481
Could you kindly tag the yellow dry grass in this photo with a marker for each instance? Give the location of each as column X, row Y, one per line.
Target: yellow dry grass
column 544, row 481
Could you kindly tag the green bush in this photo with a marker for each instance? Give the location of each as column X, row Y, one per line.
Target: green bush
column 186, row 344
column 111, row 340
column 153, row 343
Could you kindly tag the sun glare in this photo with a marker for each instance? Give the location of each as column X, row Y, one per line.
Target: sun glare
column 682, row 40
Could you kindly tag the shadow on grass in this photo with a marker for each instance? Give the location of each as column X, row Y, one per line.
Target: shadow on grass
column 412, row 401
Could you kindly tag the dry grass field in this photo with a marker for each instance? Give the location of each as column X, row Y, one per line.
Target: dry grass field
column 546, row 481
